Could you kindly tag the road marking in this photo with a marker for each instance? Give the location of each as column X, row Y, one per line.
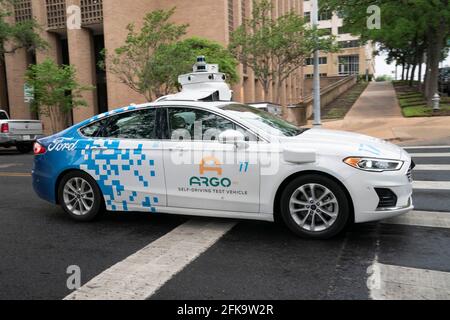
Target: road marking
column 388, row 282
column 430, row 155
column 423, row 219
column 9, row 165
column 140, row 275
column 431, row 185
column 14, row 174
column 432, row 167
column 426, row 147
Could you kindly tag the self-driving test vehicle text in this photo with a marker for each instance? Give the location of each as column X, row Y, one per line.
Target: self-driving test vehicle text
column 198, row 153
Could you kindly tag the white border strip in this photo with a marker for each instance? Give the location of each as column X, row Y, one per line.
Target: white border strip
column 140, row 275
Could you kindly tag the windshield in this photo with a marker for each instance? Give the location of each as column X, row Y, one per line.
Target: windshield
column 264, row 120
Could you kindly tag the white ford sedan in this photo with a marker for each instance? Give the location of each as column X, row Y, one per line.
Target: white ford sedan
column 222, row 159
column 198, row 153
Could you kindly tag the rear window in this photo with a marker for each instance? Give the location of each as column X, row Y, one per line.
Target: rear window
column 3, row 115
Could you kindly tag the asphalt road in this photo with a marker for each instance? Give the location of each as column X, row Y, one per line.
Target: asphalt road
column 254, row 260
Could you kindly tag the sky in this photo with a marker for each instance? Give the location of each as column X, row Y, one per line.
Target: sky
column 383, row 68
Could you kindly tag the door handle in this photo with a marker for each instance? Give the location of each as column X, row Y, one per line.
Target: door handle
column 180, row 148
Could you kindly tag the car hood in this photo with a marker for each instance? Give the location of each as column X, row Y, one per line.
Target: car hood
column 341, row 143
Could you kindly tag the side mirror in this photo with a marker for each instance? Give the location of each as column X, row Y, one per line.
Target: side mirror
column 233, row 137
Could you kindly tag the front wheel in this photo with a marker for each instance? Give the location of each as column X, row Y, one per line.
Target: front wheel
column 80, row 197
column 314, row 206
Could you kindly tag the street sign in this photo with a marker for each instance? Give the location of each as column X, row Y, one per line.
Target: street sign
column 28, row 93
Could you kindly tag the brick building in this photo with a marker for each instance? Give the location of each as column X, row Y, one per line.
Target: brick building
column 103, row 25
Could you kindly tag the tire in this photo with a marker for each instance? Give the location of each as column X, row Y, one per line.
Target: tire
column 90, row 198
column 299, row 207
column 24, row 148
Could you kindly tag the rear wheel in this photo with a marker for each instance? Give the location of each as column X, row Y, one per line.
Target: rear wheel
column 80, row 197
column 24, row 147
column 314, row 206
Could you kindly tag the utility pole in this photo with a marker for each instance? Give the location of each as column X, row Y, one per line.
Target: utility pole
column 316, row 87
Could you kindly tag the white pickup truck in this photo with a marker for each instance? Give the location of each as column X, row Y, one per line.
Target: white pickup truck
column 19, row 133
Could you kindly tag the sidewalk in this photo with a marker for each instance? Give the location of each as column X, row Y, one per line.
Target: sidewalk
column 377, row 113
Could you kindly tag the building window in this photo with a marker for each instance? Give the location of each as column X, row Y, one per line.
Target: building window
column 244, row 10
column 310, row 61
column 91, row 11
column 349, row 65
column 311, row 75
column 230, row 16
column 349, row 44
column 56, row 14
column 307, row 17
column 325, row 14
column 22, row 10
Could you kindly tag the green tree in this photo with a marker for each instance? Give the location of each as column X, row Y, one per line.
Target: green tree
column 275, row 48
column 133, row 63
column 15, row 36
column 56, row 91
column 170, row 61
column 409, row 28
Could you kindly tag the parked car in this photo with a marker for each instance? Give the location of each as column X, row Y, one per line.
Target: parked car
column 19, row 133
column 444, row 80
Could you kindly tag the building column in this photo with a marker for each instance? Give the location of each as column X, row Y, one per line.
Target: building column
column 16, row 66
column 3, row 88
column 81, row 55
column 53, row 51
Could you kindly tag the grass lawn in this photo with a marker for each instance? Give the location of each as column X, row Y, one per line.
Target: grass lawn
column 414, row 104
column 342, row 105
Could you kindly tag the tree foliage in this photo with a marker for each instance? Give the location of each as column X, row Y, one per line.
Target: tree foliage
column 409, row 29
column 275, row 48
column 152, row 58
column 15, row 36
column 56, row 91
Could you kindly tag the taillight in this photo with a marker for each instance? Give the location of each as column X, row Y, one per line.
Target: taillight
column 4, row 128
column 39, row 149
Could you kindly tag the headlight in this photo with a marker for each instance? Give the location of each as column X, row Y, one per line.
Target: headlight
column 374, row 165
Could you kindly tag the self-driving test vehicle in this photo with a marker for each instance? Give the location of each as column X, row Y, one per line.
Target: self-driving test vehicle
column 198, row 153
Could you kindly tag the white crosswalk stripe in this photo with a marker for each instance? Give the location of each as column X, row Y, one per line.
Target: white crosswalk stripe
column 432, row 167
column 431, row 185
column 388, row 282
column 431, row 155
column 423, row 219
column 140, row 275
column 425, row 147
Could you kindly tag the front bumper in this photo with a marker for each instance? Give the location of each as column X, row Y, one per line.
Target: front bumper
column 366, row 201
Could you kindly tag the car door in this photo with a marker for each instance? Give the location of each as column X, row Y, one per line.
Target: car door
column 202, row 173
column 126, row 157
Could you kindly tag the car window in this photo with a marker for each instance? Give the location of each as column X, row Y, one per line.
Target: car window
column 264, row 121
column 3, row 115
column 194, row 124
column 93, row 130
column 139, row 124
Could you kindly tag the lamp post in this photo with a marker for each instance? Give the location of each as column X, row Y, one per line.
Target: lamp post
column 316, row 86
